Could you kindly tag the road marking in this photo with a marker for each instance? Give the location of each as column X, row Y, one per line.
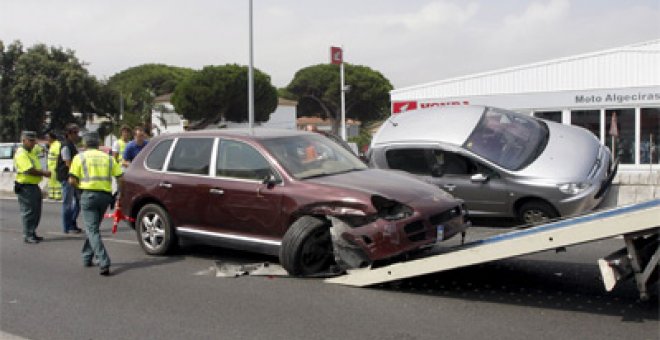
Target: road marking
column 8, row 336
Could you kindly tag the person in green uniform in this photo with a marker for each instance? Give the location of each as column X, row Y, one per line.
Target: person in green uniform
column 54, row 186
column 92, row 172
column 28, row 176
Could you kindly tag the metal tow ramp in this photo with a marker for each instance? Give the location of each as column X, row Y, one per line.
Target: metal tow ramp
column 637, row 223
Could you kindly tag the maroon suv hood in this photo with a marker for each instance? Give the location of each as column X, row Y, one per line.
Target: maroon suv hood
column 394, row 185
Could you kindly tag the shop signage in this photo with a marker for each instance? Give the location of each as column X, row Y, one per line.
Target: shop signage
column 616, row 98
column 409, row 105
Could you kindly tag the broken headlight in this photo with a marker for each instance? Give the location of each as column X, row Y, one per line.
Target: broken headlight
column 389, row 209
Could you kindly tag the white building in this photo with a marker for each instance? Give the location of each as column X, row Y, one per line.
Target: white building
column 589, row 90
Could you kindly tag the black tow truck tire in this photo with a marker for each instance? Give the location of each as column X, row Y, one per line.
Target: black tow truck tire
column 307, row 247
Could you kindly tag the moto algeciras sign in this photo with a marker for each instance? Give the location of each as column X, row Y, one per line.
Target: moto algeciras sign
column 617, row 98
column 410, row 105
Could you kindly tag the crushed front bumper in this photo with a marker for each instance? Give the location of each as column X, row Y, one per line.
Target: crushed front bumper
column 359, row 246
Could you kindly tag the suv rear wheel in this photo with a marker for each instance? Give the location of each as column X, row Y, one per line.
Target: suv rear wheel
column 307, row 247
column 154, row 230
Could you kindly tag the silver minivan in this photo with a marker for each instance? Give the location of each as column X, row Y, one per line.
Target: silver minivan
column 501, row 163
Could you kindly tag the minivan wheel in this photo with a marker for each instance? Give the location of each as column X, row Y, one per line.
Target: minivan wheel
column 536, row 212
column 154, row 230
column 306, row 247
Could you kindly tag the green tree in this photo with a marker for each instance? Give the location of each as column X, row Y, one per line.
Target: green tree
column 317, row 90
column 8, row 58
column 50, row 80
column 220, row 92
column 138, row 86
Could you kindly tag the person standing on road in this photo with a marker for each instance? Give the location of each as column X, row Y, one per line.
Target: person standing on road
column 70, row 198
column 136, row 145
column 54, row 186
column 92, row 172
column 26, row 187
column 119, row 146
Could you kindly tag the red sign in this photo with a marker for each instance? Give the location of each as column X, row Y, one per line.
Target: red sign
column 336, row 55
column 400, row 107
column 403, row 106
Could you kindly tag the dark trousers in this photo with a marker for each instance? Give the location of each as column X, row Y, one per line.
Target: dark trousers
column 70, row 207
column 94, row 204
column 30, row 200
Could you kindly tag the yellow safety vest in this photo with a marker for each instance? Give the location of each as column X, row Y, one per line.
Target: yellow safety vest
column 23, row 161
column 53, row 154
column 37, row 150
column 122, row 147
column 94, row 170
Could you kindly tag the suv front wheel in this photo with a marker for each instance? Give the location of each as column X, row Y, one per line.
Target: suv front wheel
column 536, row 212
column 307, row 247
column 154, row 230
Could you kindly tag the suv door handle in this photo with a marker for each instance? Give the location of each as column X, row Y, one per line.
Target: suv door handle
column 165, row 185
column 449, row 187
column 217, row 191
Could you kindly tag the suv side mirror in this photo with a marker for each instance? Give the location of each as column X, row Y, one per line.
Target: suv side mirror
column 271, row 180
column 479, row 178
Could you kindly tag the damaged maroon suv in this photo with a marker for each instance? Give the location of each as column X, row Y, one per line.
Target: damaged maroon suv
column 294, row 194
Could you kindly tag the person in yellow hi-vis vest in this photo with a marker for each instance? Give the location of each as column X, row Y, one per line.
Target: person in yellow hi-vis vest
column 54, row 186
column 26, row 187
column 120, row 145
column 92, row 172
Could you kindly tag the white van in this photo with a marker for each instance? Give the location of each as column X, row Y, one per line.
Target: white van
column 7, row 151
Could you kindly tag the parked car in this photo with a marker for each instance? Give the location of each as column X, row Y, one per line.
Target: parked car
column 294, row 194
column 501, row 163
column 7, row 151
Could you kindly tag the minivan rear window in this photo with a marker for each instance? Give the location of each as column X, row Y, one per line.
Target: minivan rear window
column 411, row 160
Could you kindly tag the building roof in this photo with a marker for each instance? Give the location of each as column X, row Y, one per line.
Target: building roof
column 165, row 98
column 634, row 65
column 286, row 102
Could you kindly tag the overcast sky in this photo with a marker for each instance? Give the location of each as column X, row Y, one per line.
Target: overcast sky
column 409, row 41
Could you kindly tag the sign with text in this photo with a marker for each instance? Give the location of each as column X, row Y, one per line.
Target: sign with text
column 411, row 105
column 336, row 55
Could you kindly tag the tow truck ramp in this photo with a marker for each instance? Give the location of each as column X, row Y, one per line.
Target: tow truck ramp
column 638, row 224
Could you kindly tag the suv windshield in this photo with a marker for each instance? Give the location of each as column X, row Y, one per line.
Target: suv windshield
column 306, row 156
column 508, row 139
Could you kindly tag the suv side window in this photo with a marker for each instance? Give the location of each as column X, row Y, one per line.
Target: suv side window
column 411, row 160
column 240, row 160
column 191, row 156
column 157, row 157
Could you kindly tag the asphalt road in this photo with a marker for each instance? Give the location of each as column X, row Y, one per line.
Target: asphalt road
column 46, row 293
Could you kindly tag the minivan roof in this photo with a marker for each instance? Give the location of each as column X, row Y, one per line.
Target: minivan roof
column 451, row 125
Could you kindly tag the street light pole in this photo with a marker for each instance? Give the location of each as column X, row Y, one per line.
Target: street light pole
column 343, row 98
column 251, row 80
